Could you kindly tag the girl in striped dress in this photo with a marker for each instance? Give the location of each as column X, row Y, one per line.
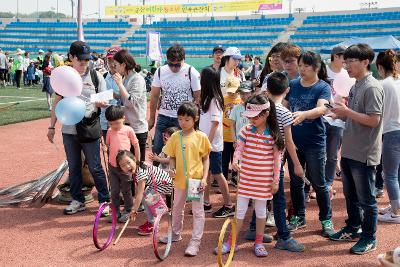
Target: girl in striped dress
column 259, row 150
column 143, row 177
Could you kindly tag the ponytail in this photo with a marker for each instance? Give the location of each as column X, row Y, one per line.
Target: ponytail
column 388, row 60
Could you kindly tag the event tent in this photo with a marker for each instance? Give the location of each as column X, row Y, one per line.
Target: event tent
column 377, row 43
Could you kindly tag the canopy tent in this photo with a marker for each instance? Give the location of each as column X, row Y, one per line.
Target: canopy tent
column 377, row 43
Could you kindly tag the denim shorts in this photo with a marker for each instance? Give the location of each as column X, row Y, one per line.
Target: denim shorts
column 216, row 162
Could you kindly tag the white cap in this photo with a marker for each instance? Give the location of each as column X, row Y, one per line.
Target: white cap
column 41, row 51
column 233, row 52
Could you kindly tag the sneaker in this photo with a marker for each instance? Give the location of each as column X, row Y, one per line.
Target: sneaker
column 109, row 218
column 192, row 249
column 140, row 209
column 207, row 209
column 270, row 222
column 226, row 248
column 290, row 245
column 260, row 251
column 389, row 218
column 251, row 236
column 106, row 211
column 380, row 193
column 364, row 246
column 74, row 207
column 145, row 229
column 233, row 181
column 296, row 222
column 124, row 217
column 175, row 238
column 345, row 235
column 224, row 212
column 327, row 228
column 385, row 210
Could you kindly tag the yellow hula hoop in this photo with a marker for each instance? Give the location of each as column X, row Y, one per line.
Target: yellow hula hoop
column 221, row 240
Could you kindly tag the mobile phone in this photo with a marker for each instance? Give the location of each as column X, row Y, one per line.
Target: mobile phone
column 329, row 106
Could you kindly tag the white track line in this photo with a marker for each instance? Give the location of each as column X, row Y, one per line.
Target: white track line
column 9, row 96
column 32, row 100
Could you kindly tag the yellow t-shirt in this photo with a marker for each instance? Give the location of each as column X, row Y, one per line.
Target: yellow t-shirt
column 196, row 146
column 229, row 103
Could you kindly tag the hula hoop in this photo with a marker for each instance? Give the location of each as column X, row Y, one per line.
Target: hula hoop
column 96, row 227
column 221, row 240
column 157, row 221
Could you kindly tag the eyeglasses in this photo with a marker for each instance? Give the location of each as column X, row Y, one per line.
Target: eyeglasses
column 290, row 61
column 172, row 65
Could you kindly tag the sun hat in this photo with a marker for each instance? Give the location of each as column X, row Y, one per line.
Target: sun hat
column 253, row 110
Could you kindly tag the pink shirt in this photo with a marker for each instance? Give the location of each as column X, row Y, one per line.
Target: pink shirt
column 119, row 140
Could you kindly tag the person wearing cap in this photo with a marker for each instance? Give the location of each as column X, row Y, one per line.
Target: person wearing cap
column 229, row 66
column 79, row 55
column 218, row 51
column 3, row 68
column 179, row 82
column 18, row 67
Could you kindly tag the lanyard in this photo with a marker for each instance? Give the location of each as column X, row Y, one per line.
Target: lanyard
column 184, row 160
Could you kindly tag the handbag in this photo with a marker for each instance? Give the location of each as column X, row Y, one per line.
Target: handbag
column 192, row 185
column 153, row 199
column 89, row 129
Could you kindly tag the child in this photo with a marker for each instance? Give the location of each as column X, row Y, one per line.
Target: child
column 230, row 100
column 259, row 150
column 30, row 73
column 144, row 178
column 120, row 137
column 162, row 158
column 212, row 105
column 193, row 163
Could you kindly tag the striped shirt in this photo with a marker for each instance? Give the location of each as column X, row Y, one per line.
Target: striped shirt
column 257, row 163
column 284, row 118
column 163, row 180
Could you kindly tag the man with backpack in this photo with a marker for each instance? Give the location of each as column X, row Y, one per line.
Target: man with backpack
column 176, row 82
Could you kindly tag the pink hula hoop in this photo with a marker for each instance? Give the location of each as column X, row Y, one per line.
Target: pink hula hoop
column 96, row 227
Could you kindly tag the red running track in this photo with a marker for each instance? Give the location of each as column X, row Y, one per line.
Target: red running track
column 46, row 237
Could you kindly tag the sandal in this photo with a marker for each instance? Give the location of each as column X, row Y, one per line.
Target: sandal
column 260, row 250
column 226, row 248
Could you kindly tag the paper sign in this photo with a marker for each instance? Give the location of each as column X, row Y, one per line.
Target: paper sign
column 335, row 122
column 103, row 96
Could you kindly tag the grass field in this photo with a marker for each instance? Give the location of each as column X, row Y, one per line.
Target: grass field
column 31, row 104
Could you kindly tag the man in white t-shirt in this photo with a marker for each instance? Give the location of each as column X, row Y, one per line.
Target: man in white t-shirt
column 337, row 62
column 3, row 68
column 178, row 82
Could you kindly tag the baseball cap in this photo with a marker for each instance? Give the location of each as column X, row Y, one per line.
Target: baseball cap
column 50, row 50
column 253, row 110
column 80, row 49
column 218, row 48
column 112, row 51
column 338, row 49
column 41, row 51
column 246, row 87
column 232, row 84
column 233, row 52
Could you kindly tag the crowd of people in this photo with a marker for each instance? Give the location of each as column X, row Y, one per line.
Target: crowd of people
column 238, row 123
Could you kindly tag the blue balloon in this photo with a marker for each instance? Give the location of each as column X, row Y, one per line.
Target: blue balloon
column 70, row 110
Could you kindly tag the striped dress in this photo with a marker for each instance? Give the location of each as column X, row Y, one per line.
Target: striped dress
column 257, row 163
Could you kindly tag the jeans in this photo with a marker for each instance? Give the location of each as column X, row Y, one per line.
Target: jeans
column 379, row 176
column 313, row 160
column 334, row 137
column 359, row 191
column 163, row 122
column 279, row 206
column 391, row 166
column 91, row 151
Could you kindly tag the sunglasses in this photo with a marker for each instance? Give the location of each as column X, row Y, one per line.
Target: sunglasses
column 172, row 65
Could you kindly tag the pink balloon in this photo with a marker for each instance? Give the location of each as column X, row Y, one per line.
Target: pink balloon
column 66, row 81
column 342, row 84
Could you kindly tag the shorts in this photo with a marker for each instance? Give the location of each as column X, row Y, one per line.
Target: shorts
column 216, row 162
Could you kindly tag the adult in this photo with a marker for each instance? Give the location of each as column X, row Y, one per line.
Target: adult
column 386, row 65
column 218, row 51
column 361, row 150
column 3, row 68
column 272, row 63
column 229, row 66
column 25, row 65
column 334, row 134
column 132, row 91
column 179, row 82
column 110, row 84
column 18, row 67
column 248, row 66
column 79, row 55
column 290, row 61
column 306, row 99
column 256, row 69
column 46, row 69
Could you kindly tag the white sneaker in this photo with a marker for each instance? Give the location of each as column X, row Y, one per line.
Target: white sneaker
column 385, row 210
column 389, row 218
column 270, row 222
column 74, row 207
column 106, row 211
column 192, row 249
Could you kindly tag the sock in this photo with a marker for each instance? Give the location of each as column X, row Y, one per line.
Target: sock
column 229, row 241
column 259, row 239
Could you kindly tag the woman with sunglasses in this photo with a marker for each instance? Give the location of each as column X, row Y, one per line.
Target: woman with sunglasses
column 306, row 99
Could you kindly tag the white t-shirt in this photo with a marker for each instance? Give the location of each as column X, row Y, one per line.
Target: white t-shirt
column 26, row 63
column 224, row 75
column 214, row 113
column 175, row 87
column 3, row 61
column 391, row 114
